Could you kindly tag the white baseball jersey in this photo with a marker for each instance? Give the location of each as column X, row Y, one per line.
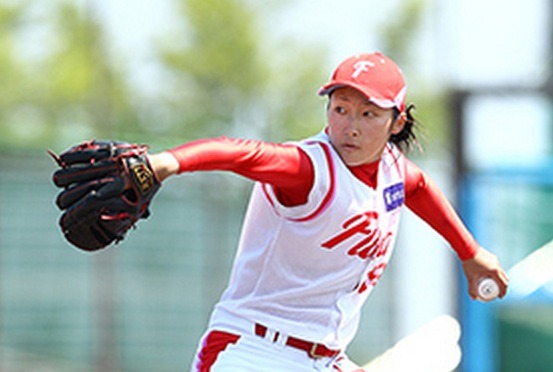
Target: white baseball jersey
column 306, row 270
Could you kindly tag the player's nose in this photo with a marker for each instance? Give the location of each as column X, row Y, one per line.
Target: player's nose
column 352, row 127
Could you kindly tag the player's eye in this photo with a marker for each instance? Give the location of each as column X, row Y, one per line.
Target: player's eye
column 339, row 110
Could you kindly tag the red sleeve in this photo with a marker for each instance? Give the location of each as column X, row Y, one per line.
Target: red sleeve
column 426, row 200
column 285, row 166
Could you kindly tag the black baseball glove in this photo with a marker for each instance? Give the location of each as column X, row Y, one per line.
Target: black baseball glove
column 107, row 188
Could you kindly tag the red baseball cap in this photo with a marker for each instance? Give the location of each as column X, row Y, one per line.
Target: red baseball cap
column 374, row 75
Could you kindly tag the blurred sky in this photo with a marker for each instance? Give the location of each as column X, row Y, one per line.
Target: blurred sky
column 471, row 42
column 343, row 27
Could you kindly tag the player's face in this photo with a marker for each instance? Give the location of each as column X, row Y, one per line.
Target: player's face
column 359, row 129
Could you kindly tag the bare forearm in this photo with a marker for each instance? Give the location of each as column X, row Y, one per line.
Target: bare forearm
column 164, row 165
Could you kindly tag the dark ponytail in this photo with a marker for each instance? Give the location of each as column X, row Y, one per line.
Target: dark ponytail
column 406, row 139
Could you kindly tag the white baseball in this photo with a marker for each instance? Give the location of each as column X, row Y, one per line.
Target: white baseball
column 488, row 289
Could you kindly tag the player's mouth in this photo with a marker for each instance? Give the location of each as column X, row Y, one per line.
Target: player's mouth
column 350, row 147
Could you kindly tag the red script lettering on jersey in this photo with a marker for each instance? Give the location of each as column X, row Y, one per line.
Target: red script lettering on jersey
column 363, row 233
column 372, row 277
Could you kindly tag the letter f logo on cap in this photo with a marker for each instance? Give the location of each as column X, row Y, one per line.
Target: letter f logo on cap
column 361, row 66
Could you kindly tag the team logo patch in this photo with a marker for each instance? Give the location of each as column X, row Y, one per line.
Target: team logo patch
column 394, row 196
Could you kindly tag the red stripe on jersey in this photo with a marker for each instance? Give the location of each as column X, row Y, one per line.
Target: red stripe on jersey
column 265, row 187
column 328, row 197
column 331, row 190
column 396, row 159
column 214, row 344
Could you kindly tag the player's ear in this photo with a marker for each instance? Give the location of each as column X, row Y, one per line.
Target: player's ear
column 399, row 123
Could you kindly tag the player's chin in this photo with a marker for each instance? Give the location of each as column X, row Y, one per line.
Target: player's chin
column 349, row 156
column 349, row 161
column 352, row 159
column 354, row 156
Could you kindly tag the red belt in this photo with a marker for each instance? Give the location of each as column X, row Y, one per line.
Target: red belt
column 313, row 349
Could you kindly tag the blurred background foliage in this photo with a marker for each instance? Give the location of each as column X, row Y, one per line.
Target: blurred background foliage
column 217, row 75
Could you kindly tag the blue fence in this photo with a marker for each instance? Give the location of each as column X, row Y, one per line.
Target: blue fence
column 510, row 211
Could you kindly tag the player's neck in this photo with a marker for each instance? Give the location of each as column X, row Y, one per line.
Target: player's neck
column 367, row 173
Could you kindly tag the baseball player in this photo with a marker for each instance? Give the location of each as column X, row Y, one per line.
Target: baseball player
column 321, row 225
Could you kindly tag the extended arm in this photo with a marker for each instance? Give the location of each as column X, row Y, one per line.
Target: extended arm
column 285, row 166
column 426, row 200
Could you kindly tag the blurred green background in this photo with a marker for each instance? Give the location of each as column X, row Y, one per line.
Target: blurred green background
column 75, row 70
